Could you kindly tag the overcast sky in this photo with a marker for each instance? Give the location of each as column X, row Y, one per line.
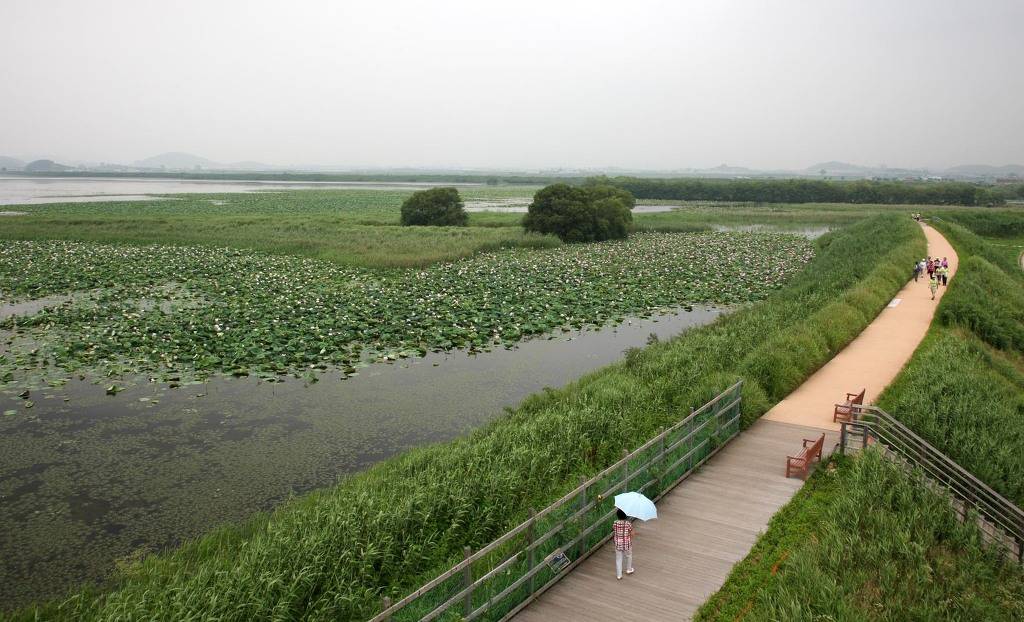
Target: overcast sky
column 660, row 85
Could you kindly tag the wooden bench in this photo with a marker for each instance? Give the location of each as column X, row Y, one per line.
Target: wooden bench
column 846, row 410
column 802, row 461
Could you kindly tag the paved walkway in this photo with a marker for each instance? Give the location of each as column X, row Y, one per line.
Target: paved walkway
column 875, row 357
column 711, row 520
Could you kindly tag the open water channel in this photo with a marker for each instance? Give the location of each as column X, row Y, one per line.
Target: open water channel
column 23, row 190
column 88, row 479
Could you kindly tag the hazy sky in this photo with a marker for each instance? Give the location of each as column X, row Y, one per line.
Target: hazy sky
column 780, row 84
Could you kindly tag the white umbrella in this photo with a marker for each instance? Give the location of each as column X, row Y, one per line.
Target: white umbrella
column 636, row 505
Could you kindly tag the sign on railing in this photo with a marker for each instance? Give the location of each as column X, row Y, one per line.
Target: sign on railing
column 503, row 577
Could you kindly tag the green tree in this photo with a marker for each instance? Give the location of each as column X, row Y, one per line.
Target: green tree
column 437, row 206
column 589, row 214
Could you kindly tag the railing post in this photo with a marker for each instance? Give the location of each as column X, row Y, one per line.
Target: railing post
column 530, row 552
column 467, row 579
column 842, row 438
column 863, row 436
column 661, row 460
column 689, row 445
column 581, row 546
column 625, row 470
column 387, row 605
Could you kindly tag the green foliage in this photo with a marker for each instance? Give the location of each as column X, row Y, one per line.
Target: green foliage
column 863, row 541
column 349, row 227
column 968, row 400
column 441, row 207
column 241, row 312
column 963, row 390
column 334, row 553
column 988, row 302
column 999, row 223
column 969, row 243
column 588, row 214
column 807, row 191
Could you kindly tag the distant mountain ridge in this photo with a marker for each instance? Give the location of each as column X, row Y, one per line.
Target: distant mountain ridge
column 11, row 164
column 186, row 161
column 175, row 159
column 985, row 170
column 46, row 166
column 179, row 161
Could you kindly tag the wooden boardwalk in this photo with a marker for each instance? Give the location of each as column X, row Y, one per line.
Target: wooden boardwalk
column 704, row 526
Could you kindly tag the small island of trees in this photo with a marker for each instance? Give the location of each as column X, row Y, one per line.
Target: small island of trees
column 590, row 213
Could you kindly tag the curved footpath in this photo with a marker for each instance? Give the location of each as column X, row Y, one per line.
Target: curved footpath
column 712, row 519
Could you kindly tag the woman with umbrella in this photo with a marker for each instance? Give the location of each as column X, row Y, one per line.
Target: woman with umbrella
column 630, row 504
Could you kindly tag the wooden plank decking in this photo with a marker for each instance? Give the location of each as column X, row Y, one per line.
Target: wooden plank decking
column 707, row 524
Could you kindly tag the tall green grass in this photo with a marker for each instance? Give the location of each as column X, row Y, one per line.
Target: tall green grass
column 863, row 541
column 963, row 390
column 335, row 553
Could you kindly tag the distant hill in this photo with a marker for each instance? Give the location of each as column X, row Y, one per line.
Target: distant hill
column 984, row 170
column 248, row 165
column 838, row 167
column 722, row 169
column 46, row 166
column 11, row 164
column 176, row 160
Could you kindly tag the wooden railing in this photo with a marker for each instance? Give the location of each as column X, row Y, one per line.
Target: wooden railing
column 1001, row 521
column 501, row 578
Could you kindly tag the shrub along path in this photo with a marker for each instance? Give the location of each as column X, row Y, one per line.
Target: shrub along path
column 875, row 357
column 712, row 519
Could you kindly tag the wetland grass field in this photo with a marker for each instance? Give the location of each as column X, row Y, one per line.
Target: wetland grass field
column 483, row 500
column 140, row 337
column 318, row 286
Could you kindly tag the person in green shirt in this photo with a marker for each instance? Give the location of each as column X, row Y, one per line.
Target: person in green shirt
column 933, row 284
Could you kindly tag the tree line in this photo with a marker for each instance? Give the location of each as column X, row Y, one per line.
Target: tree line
column 808, row 191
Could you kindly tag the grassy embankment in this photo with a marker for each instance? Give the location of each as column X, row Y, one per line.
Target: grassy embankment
column 334, row 553
column 864, row 542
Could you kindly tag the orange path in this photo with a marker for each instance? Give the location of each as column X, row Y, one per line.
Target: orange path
column 875, row 357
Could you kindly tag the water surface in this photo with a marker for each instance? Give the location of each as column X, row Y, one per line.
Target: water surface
column 87, row 479
column 15, row 190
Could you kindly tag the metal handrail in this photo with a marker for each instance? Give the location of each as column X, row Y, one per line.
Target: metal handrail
column 981, row 491
column 723, row 418
column 999, row 512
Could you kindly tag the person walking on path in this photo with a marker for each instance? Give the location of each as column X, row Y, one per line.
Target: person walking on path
column 622, row 533
column 921, row 266
column 933, row 284
column 931, row 267
column 917, row 271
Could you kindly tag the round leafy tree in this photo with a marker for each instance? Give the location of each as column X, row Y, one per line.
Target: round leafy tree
column 587, row 214
column 437, row 206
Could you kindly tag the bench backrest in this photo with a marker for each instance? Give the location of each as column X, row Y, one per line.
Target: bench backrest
column 816, row 447
column 860, row 397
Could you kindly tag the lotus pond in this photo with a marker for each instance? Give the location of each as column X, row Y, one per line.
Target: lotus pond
column 183, row 313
